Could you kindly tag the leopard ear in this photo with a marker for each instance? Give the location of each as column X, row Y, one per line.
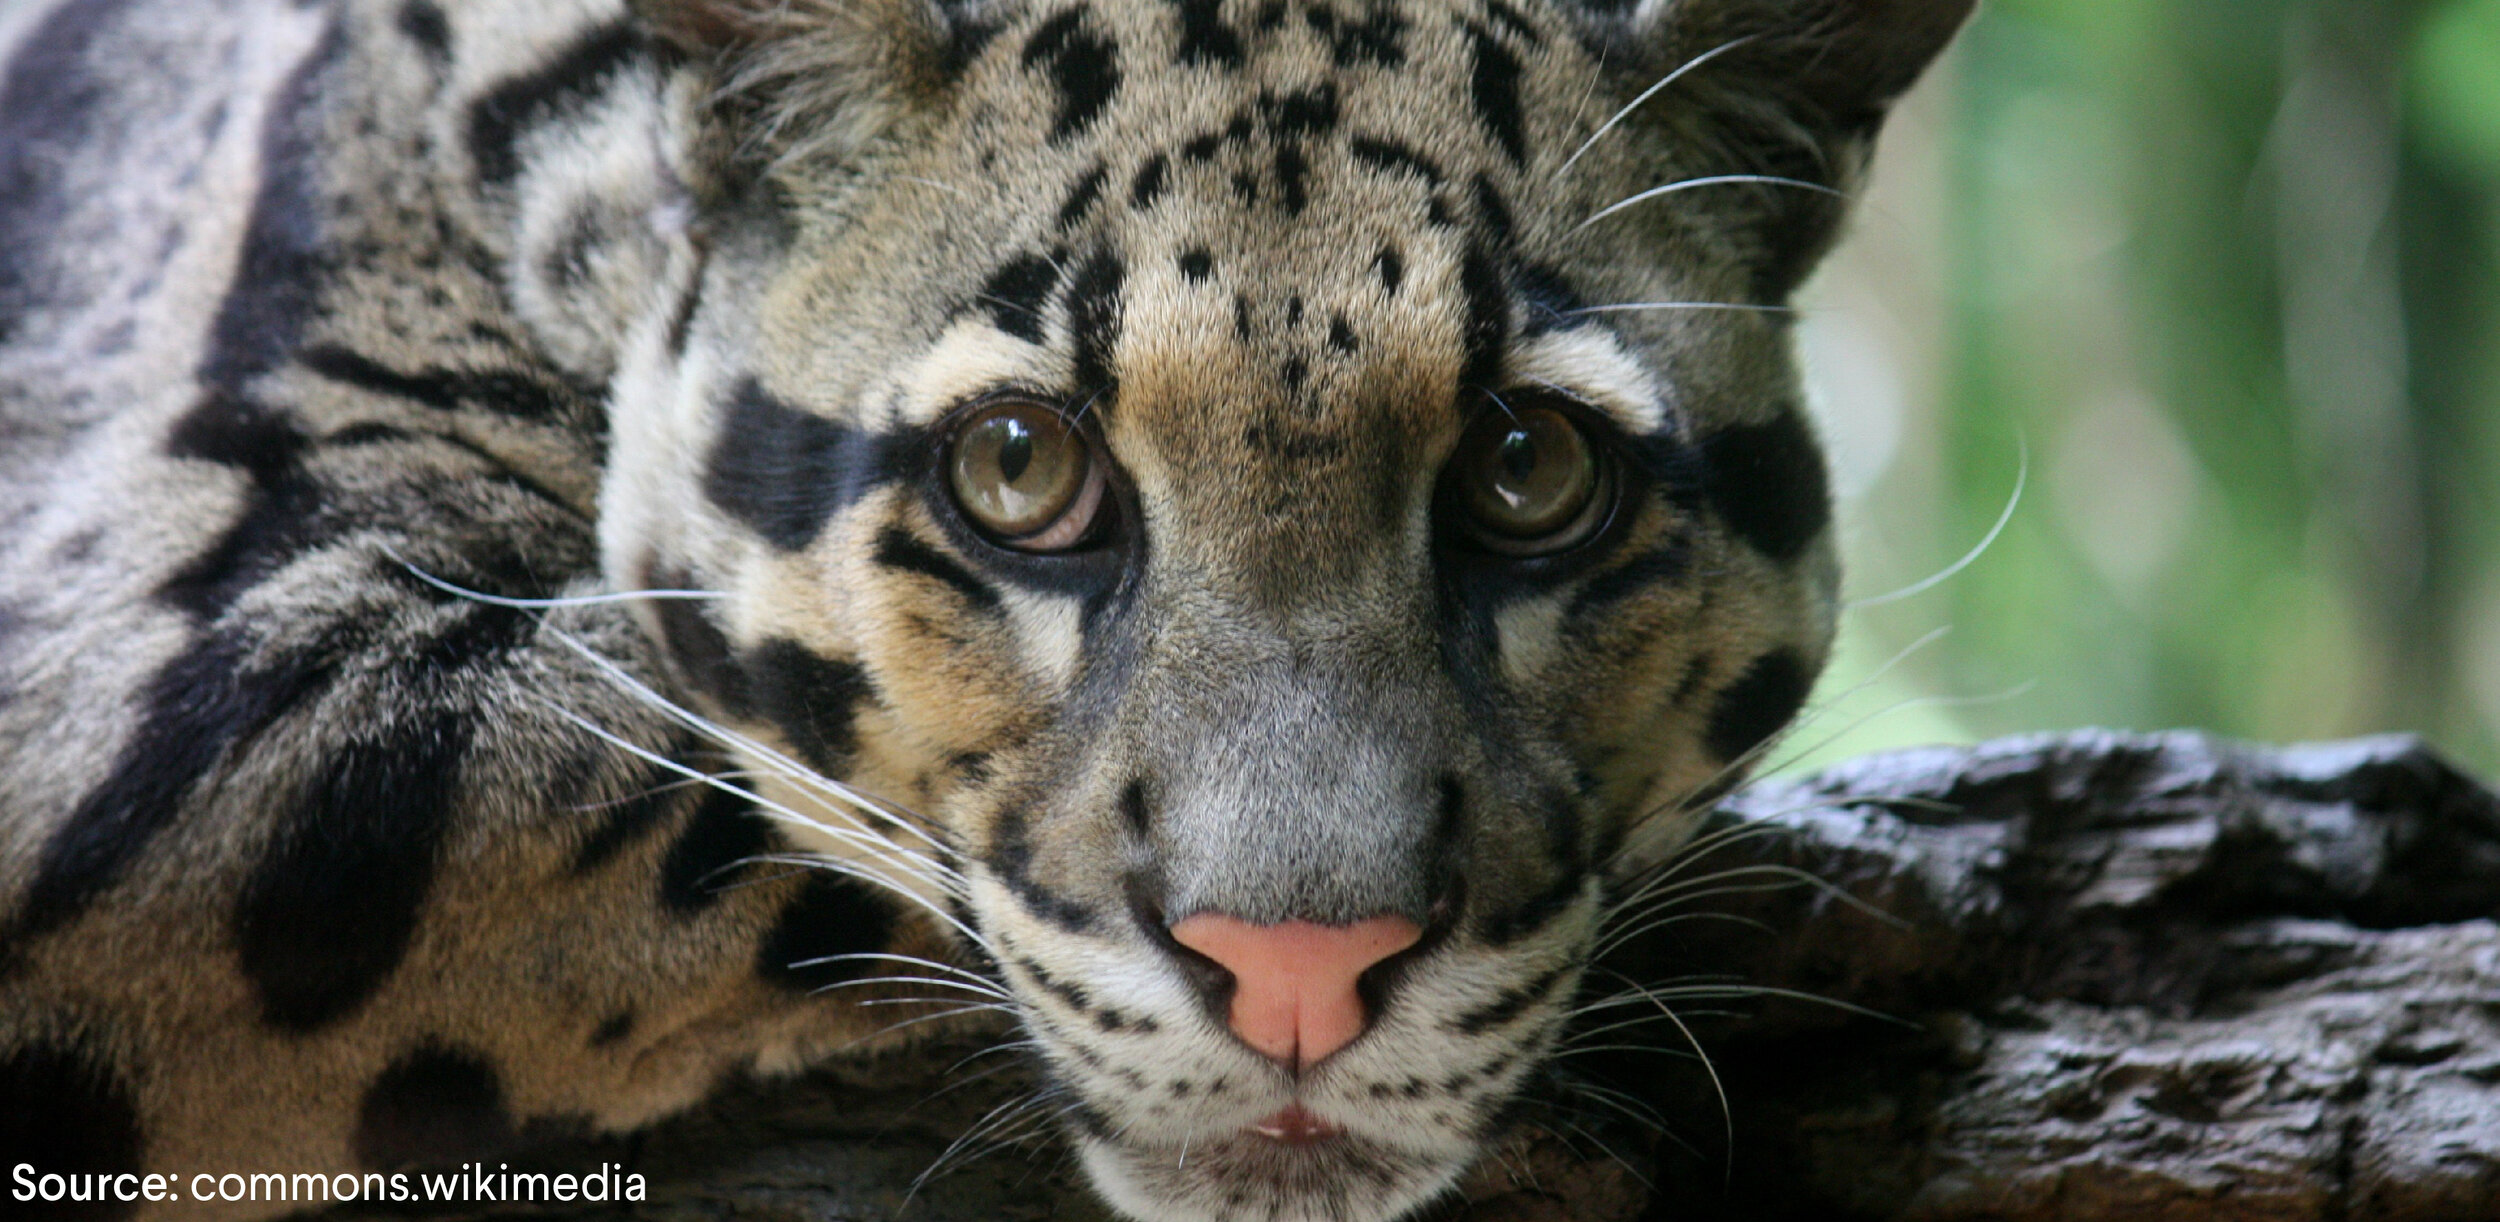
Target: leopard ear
column 796, row 81
column 1794, row 89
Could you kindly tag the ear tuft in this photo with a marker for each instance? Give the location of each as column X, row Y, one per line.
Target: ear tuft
column 799, row 80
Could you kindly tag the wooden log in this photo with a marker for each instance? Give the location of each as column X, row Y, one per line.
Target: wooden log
column 2086, row 976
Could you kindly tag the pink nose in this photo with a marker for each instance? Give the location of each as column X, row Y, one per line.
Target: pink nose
column 1293, row 984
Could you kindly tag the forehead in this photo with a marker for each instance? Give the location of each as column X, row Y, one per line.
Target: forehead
column 1332, row 208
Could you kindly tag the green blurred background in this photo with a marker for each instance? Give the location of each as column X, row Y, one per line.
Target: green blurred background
column 2220, row 281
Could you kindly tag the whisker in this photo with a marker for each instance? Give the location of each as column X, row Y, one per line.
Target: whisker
column 1618, row 1159
column 1628, row 306
column 1738, row 766
column 783, row 765
column 1715, row 180
column 782, row 813
column 2013, row 501
column 891, row 1028
column 1727, row 1114
column 1646, row 94
column 541, row 604
column 930, row 981
column 916, row 961
column 1639, row 993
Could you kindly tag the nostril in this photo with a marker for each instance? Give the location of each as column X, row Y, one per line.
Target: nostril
column 1296, row 986
column 1212, row 980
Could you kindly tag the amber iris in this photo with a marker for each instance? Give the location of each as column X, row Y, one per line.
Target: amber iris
column 1530, row 481
column 1022, row 474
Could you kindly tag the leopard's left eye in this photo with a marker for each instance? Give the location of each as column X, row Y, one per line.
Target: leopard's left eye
column 1531, row 482
column 1025, row 477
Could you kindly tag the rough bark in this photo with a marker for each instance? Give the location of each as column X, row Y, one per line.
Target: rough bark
column 2089, row 976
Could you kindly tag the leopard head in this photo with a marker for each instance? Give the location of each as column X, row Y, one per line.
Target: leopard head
column 1295, row 494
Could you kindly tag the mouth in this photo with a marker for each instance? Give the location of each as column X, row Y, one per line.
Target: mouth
column 1297, row 1126
column 1293, row 1165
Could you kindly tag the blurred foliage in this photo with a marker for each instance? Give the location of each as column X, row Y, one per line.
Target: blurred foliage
column 2218, row 281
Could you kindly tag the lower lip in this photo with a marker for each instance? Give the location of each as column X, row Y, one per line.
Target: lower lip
column 1296, row 1126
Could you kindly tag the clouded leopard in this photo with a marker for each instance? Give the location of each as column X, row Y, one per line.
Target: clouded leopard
column 555, row 548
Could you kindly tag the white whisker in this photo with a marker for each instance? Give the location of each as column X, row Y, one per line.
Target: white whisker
column 1629, row 306
column 1715, row 180
column 542, row 604
column 782, row 814
column 2013, row 501
column 1646, row 94
column 930, row 981
column 781, row 764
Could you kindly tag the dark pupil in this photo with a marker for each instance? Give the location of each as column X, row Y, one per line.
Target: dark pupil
column 1015, row 450
column 1518, row 455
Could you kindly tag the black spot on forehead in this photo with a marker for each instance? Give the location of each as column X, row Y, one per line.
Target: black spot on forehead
column 1512, row 19
column 1196, row 264
column 1767, row 482
column 1762, row 700
column 1205, row 40
column 1494, row 88
column 1148, row 186
column 1393, row 157
column 1093, row 304
column 1292, row 173
column 1391, row 267
column 1301, row 113
column 1083, row 66
column 1494, row 212
column 1082, row 197
column 1378, row 40
column 1488, row 318
column 67, row 1114
column 1014, row 294
column 434, row 1107
column 1552, row 304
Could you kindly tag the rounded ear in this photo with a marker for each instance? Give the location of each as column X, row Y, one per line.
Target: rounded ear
column 1839, row 63
column 1796, row 89
column 793, row 81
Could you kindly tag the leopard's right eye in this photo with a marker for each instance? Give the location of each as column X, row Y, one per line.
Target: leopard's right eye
column 1531, row 482
column 1026, row 478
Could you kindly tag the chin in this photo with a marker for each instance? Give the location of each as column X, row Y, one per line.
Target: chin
column 1245, row 1177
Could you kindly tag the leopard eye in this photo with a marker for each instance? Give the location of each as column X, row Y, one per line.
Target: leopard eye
column 1531, row 482
column 1023, row 475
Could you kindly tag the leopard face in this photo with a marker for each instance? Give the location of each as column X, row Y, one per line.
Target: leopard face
column 1294, row 470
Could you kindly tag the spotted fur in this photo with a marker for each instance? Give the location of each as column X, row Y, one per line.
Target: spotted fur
column 319, row 319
